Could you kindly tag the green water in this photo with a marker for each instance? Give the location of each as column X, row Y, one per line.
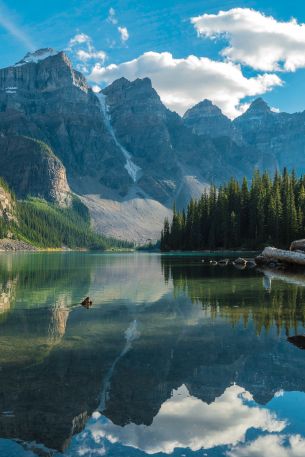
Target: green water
column 175, row 357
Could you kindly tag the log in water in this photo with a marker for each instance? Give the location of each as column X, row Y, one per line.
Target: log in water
column 292, row 257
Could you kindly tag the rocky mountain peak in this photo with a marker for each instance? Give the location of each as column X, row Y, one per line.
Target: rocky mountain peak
column 204, row 108
column 143, row 82
column 259, row 106
column 37, row 56
column 133, row 98
column 41, row 71
column 118, row 84
column 135, row 88
column 205, row 118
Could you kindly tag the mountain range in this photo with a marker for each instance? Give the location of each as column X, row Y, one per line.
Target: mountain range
column 126, row 155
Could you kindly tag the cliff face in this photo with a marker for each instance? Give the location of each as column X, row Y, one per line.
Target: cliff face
column 42, row 97
column 279, row 138
column 30, row 168
column 268, row 140
column 173, row 162
column 207, row 119
column 7, row 209
column 139, row 121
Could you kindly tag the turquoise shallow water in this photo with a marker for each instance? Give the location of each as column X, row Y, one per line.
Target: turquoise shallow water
column 175, row 357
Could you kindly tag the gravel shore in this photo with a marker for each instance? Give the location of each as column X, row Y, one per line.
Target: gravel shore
column 7, row 244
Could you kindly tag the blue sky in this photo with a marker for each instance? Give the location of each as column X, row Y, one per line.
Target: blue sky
column 158, row 26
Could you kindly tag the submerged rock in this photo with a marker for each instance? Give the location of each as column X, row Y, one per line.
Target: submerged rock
column 297, row 340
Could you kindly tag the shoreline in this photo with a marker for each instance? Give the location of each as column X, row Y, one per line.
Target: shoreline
column 10, row 245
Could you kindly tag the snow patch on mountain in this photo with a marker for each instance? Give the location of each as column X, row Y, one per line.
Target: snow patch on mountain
column 37, row 56
column 132, row 169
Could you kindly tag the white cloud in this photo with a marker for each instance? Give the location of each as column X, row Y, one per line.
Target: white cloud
column 256, row 40
column 272, row 446
column 79, row 38
column 82, row 68
column 83, row 50
column 124, row 33
column 184, row 421
column 84, row 56
column 181, row 83
column 112, row 16
column 96, row 89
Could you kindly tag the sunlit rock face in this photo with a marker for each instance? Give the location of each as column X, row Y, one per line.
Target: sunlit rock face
column 31, row 168
column 7, row 210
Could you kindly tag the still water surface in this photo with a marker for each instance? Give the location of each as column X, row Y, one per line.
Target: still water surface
column 174, row 358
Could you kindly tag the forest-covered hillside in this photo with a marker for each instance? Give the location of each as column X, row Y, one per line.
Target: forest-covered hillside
column 47, row 225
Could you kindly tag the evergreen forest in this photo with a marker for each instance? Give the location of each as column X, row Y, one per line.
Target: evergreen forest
column 268, row 210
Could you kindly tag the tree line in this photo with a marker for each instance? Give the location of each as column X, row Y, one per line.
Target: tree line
column 268, row 210
column 47, row 225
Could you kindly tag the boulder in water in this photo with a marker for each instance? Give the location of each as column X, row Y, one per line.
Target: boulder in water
column 213, row 263
column 298, row 245
column 297, row 340
column 223, row 262
column 240, row 261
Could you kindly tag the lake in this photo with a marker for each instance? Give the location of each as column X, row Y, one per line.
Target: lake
column 175, row 357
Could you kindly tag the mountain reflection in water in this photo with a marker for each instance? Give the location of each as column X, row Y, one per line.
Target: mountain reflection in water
column 174, row 358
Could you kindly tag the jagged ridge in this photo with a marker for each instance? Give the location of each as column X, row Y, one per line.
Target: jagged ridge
column 123, row 146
